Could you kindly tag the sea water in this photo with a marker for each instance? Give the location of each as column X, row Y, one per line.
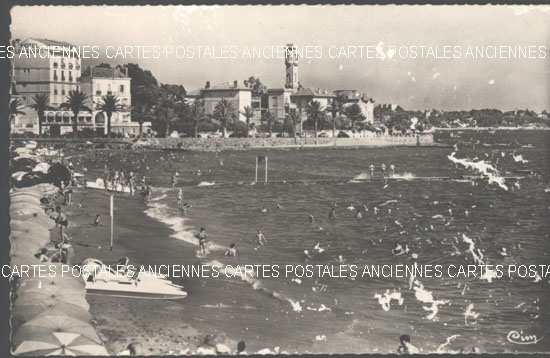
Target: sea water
column 495, row 220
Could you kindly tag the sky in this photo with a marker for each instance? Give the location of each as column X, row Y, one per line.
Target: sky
column 414, row 83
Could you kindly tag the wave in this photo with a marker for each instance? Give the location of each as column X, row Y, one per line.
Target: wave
column 206, row 183
column 162, row 212
column 484, row 168
column 257, row 285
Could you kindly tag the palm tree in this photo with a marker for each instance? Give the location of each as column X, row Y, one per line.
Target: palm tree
column 314, row 111
column 293, row 118
column 141, row 112
column 40, row 105
column 223, row 112
column 15, row 109
column 248, row 113
column 109, row 105
column 335, row 108
column 270, row 119
column 197, row 115
column 76, row 102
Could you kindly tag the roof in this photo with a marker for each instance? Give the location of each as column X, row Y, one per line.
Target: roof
column 312, row 92
column 195, row 93
column 103, row 72
column 51, row 42
column 225, row 86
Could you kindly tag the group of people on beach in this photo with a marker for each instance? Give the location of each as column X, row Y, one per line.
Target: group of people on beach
column 117, row 181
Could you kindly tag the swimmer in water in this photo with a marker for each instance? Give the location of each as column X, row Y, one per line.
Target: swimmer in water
column 180, row 198
column 174, row 181
column 398, row 250
column 359, row 215
column 332, row 213
column 371, row 170
column 232, row 251
column 311, row 219
column 263, row 209
column 365, row 207
column 280, row 207
column 307, row 256
column 350, row 207
column 392, row 170
column 260, row 238
column 202, row 236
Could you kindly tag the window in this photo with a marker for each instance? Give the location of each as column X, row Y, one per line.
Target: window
column 62, row 75
column 70, row 66
column 55, row 64
column 98, row 93
column 63, row 91
column 121, row 90
column 275, row 101
column 55, row 75
column 70, row 76
column 55, row 91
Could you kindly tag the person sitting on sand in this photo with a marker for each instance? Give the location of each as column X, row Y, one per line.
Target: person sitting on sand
column 202, row 236
column 232, row 251
column 67, row 252
column 43, row 257
column 406, row 347
column 97, row 220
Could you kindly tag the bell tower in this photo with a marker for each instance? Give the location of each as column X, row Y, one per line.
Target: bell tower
column 291, row 63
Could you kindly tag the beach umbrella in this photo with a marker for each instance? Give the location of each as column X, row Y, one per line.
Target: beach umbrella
column 18, row 259
column 28, row 312
column 42, row 167
column 51, row 285
column 18, row 175
column 60, row 344
column 33, row 232
column 59, row 173
column 23, row 247
column 25, row 206
column 32, row 178
column 33, row 190
column 25, row 199
column 42, row 326
column 46, row 189
column 35, row 218
column 23, row 164
column 48, row 299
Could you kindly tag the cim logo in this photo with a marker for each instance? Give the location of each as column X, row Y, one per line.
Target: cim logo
column 516, row 337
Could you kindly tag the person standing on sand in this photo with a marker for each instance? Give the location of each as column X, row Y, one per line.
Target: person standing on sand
column 202, row 236
column 174, row 181
column 383, row 167
column 180, row 198
column 61, row 221
column 149, row 192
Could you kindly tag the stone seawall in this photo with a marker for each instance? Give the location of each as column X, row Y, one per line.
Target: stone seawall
column 228, row 143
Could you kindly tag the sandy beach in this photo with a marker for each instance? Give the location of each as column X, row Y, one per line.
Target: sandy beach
column 121, row 321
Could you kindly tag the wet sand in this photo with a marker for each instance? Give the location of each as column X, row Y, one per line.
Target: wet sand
column 120, row 321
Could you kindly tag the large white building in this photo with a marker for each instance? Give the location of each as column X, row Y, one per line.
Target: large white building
column 98, row 82
column 46, row 67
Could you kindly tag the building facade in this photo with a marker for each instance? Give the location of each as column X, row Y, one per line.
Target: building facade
column 98, row 82
column 46, row 67
column 365, row 103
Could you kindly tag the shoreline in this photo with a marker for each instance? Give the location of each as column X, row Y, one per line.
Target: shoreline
column 119, row 321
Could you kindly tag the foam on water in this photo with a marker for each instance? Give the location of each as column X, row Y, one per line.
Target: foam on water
column 486, row 169
column 206, row 183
